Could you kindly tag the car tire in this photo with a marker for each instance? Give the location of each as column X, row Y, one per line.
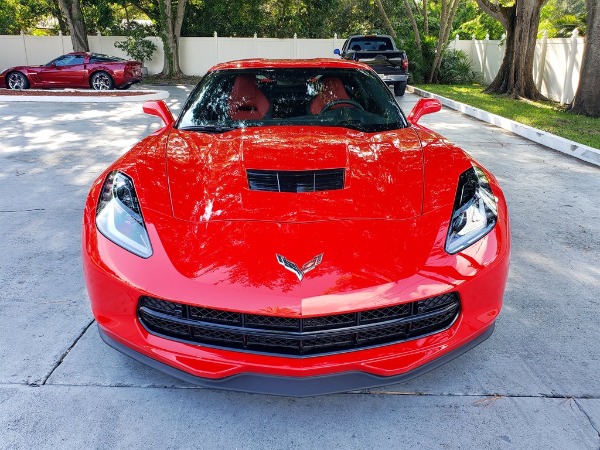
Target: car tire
column 399, row 88
column 101, row 81
column 16, row 80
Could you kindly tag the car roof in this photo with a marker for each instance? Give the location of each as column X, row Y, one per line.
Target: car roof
column 260, row 63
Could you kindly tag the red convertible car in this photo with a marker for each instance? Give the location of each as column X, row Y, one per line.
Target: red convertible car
column 75, row 70
column 294, row 233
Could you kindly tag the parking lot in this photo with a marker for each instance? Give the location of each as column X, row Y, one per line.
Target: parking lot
column 534, row 384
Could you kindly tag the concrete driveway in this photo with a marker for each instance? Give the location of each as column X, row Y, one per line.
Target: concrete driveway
column 534, row 384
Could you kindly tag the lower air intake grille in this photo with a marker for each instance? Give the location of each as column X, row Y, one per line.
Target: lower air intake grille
column 298, row 337
column 296, row 180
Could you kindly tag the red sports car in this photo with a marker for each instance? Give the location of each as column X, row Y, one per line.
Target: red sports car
column 75, row 70
column 294, row 233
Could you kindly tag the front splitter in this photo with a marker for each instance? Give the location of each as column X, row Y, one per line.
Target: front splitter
column 295, row 386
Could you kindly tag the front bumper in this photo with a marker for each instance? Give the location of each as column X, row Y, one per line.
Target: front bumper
column 293, row 386
column 479, row 279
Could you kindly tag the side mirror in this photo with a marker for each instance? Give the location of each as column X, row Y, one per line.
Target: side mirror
column 160, row 109
column 336, row 51
column 424, row 106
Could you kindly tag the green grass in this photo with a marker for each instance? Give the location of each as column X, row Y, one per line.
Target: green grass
column 547, row 116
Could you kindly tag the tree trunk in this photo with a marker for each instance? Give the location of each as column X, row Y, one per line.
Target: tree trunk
column 386, row 20
column 72, row 11
column 56, row 12
column 170, row 31
column 425, row 19
column 413, row 22
column 515, row 77
column 587, row 98
column 446, row 18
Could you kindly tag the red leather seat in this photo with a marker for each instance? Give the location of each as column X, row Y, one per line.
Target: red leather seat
column 332, row 89
column 247, row 102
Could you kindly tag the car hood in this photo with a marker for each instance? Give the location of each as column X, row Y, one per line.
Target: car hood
column 238, row 264
column 208, row 178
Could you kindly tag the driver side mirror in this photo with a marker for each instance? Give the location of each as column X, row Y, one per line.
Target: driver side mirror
column 160, row 109
column 424, row 106
column 336, row 51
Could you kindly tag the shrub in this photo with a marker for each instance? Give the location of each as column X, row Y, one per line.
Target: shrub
column 456, row 68
column 136, row 45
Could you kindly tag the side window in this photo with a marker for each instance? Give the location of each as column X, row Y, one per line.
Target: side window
column 99, row 59
column 69, row 60
column 75, row 60
column 60, row 61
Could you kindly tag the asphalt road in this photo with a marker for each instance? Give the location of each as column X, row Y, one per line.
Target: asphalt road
column 534, row 384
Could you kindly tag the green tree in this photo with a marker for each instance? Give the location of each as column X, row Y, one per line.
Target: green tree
column 71, row 9
column 587, row 98
column 520, row 19
column 22, row 15
column 559, row 18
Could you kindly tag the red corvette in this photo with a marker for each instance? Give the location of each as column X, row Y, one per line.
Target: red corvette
column 75, row 70
column 292, row 232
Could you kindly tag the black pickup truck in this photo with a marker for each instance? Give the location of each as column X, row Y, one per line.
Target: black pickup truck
column 379, row 52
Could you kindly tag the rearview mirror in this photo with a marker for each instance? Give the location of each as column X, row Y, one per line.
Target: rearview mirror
column 336, row 51
column 160, row 109
column 424, row 106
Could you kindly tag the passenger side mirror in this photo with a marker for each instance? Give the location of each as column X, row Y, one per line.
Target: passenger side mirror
column 160, row 109
column 424, row 106
column 336, row 51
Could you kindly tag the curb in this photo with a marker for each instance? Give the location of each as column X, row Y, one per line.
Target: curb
column 148, row 95
column 571, row 148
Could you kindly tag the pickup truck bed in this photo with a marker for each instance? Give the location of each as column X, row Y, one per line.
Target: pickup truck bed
column 381, row 54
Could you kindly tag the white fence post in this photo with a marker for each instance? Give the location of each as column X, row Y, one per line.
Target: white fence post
column 99, row 41
column 455, row 42
column 295, row 46
column 62, row 43
column 473, row 49
column 542, row 61
column 24, row 48
column 334, row 41
column 570, row 65
column 484, row 58
column 216, row 48
column 255, row 45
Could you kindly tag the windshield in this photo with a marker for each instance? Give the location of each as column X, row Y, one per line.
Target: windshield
column 235, row 98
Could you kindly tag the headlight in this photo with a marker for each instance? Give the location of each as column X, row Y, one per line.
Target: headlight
column 475, row 211
column 119, row 217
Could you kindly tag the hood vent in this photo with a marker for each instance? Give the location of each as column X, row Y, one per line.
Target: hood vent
column 296, row 180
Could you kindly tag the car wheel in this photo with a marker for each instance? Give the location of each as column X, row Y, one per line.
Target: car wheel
column 16, row 80
column 399, row 88
column 101, row 81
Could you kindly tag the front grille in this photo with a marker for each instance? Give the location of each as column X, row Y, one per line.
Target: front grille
column 298, row 337
column 296, row 180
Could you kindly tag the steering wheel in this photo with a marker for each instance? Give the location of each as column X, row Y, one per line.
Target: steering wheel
column 348, row 102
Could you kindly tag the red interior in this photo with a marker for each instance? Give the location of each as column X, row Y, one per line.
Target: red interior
column 247, row 102
column 333, row 89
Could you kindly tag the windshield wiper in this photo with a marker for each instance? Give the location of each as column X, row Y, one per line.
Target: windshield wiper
column 208, row 128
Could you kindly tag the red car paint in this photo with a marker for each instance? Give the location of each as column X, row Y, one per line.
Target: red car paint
column 214, row 241
column 123, row 73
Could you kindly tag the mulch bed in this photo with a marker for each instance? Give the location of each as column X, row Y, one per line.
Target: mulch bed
column 72, row 93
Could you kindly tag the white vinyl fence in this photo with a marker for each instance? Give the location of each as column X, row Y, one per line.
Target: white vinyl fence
column 196, row 54
column 556, row 66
